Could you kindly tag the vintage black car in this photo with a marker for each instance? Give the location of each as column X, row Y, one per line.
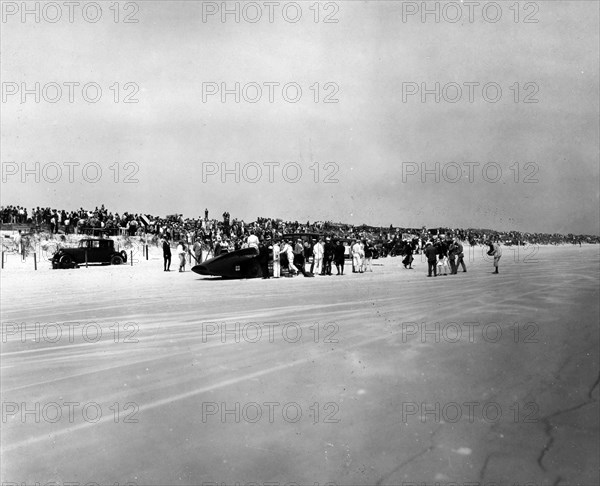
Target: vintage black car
column 90, row 250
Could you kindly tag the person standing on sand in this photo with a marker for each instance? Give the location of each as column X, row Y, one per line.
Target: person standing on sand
column 197, row 249
column 442, row 251
column 460, row 256
column 308, row 253
column 276, row 261
column 181, row 255
column 287, row 249
column 431, row 254
column 264, row 248
column 166, row 247
column 328, row 253
column 339, row 257
column 361, row 254
column 452, row 254
column 356, row 260
column 408, row 259
column 299, row 255
column 496, row 252
column 317, row 263
column 369, row 251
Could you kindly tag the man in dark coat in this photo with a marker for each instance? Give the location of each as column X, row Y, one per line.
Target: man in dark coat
column 308, row 253
column 166, row 254
column 408, row 259
column 264, row 249
column 299, row 256
column 328, row 256
column 339, row 257
column 452, row 254
column 460, row 256
column 431, row 253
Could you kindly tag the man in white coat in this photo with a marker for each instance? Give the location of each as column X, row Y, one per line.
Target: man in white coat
column 276, row 262
column 361, row 254
column 253, row 240
column 356, row 259
column 318, row 252
column 288, row 250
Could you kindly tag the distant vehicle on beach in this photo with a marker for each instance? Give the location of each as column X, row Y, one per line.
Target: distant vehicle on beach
column 236, row 264
column 99, row 251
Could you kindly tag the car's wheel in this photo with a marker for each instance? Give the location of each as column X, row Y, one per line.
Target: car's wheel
column 116, row 260
column 124, row 255
column 253, row 270
column 65, row 261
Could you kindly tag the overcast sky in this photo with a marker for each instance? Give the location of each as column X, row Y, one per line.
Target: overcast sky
column 375, row 138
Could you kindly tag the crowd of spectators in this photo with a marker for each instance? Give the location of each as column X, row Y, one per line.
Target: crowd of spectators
column 232, row 233
column 81, row 221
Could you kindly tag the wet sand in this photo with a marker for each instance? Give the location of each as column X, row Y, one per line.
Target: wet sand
column 387, row 377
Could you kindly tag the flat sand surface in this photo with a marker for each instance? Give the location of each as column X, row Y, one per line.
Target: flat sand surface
column 126, row 373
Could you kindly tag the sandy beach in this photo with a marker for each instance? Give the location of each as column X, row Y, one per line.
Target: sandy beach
column 122, row 374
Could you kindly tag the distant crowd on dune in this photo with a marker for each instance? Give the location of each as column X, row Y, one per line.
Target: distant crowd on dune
column 232, row 233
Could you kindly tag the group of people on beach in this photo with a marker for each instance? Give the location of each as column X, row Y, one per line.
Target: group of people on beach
column 444, row 255
column 448, row 255
column 285, row 256
column 323, row 255
column 289, row 257
column 181, row 252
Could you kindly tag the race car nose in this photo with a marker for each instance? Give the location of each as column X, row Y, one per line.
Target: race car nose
column 201, row 270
